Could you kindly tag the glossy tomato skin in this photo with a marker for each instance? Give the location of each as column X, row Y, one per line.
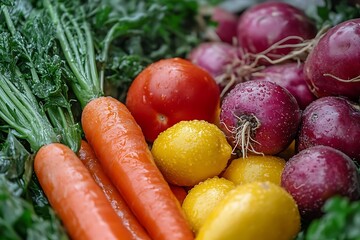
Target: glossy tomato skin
column 169, row 91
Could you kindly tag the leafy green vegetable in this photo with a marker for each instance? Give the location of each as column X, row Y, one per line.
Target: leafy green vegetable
column 18, row 219
column 16, row 164
column 334, row 12
column 18, row 111
column 28, row 47
column 6, row 2
column 76, row 42
column 341, row 221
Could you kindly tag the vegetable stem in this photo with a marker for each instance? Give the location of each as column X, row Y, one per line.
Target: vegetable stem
column 8, row 21
column 9, row 230
column 59, row 114
column 91, row 59
column 104, row 54
column 19, row 112
column 76, row 41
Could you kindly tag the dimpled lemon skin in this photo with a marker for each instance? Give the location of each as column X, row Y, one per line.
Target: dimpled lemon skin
column 255, row 168
column 202, row 198
column 253, row 211
column 190, row 152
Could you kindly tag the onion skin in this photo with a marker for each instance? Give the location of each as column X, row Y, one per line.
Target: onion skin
column 275, row 109
column 213, row 56
column 331, row 121
column 337, row 53
column 317, row 173
column 227, row 24
column 264, row 24
column 291, row 77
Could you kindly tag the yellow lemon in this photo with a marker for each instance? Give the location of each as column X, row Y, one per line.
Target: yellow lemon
column 255, row 168
column 202, row 198
column 190, row 152
column 253, row 211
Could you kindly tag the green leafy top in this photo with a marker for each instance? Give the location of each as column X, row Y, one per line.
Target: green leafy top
column 19, row 112
column 15, row 165
column 341, row 221
column 75, row 39
column 328, row 13
column 332, row 13
column 30, row 65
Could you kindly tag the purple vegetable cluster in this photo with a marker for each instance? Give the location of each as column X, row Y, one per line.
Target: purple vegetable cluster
column 285, row 81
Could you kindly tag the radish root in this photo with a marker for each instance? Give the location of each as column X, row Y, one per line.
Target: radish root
column 355, row 79
column 242, row 68
column 301, row 49
column 243, row 132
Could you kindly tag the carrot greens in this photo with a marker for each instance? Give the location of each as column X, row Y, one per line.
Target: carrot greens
column 76, row 42
column 33, row 69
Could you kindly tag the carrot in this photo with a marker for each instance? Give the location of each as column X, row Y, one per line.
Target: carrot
column 87, row 156
column 74, row 195
column 114, row 135
column 121, row 148
column 179, row 192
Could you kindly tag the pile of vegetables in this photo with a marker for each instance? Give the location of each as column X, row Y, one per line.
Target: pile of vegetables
column 86, row 88
column 314, row 102
column 52, row 67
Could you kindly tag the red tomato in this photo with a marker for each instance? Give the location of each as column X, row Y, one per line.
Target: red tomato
column 169, row 91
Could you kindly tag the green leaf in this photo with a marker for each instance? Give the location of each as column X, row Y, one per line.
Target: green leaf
column 341, row 221
column 18, row 220
column 6, row 2
column 335, row 12
column 16, row 163
column 32, row 62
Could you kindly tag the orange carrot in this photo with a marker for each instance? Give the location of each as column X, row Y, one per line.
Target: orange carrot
column 179, row 192
column 120, row 146
column 74, row 195
column 87, row 156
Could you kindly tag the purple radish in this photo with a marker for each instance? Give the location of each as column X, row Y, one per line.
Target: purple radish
column 265, row 24
column 217, row 58
column 291, row 77
column 333, row 66
column 317, row 173
column 226, row 24
column 331, row 121
column 214, row 57
column 259, row 116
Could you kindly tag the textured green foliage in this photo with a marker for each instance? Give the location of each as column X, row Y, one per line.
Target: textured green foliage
column 341, row 221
